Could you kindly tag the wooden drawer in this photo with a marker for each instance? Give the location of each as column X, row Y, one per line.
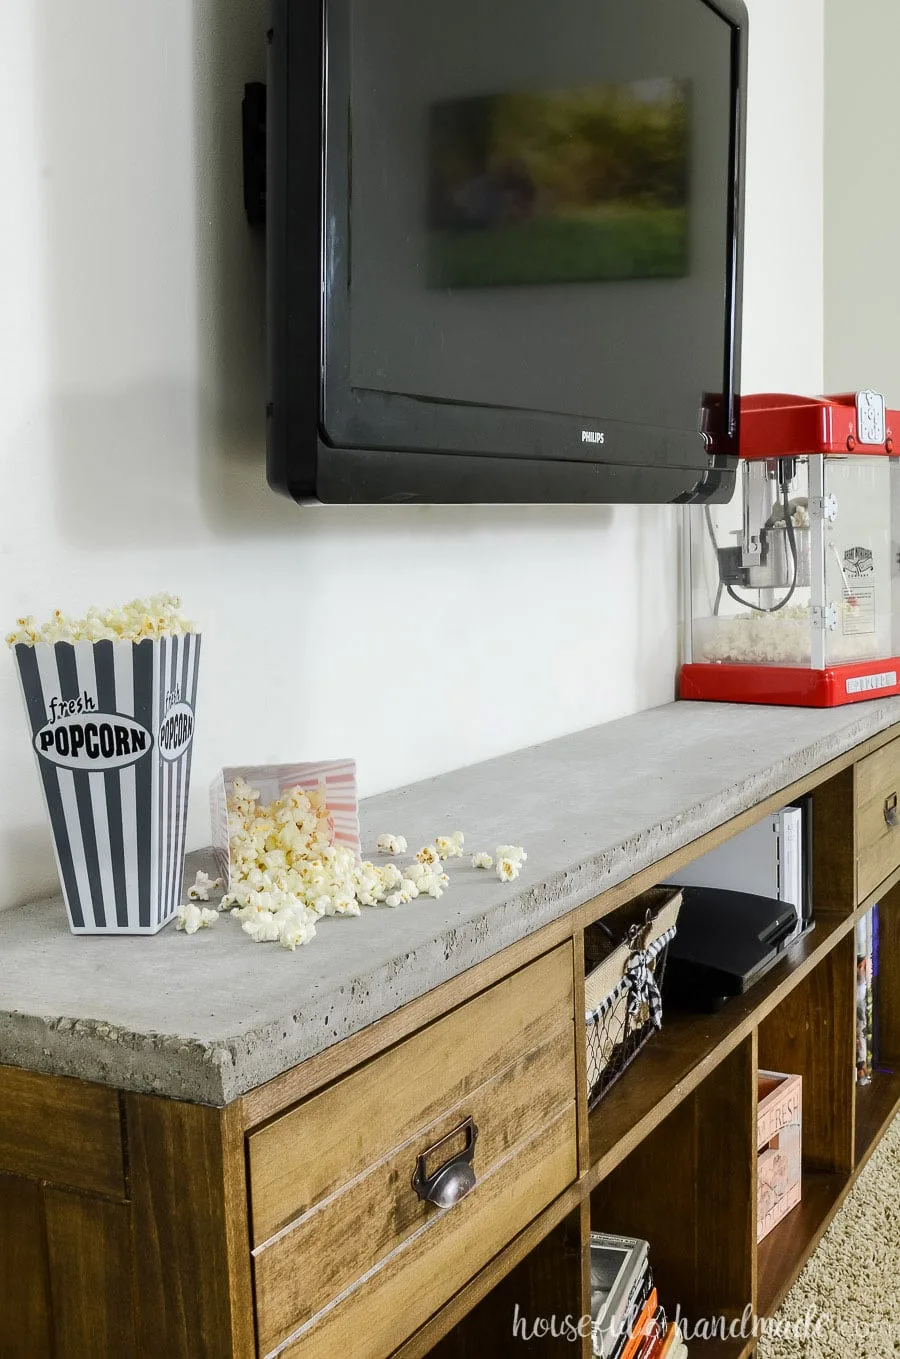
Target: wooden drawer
column 877, row 839
column 347, row 1258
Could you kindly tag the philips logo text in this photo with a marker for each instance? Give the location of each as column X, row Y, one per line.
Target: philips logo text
column 592, row 436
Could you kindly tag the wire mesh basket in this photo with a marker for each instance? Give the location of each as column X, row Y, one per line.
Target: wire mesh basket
column 625, row 961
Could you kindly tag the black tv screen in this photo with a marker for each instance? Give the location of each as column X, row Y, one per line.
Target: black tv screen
column 504, row 249
column 559, row 186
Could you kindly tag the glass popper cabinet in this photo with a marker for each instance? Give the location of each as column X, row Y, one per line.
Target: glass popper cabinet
column 792, row 588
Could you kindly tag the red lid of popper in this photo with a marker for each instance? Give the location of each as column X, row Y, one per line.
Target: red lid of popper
column 779, row 425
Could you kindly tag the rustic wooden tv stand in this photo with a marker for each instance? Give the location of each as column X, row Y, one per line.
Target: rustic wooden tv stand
column 207, row 1147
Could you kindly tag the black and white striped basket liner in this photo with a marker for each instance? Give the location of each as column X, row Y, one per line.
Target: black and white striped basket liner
column 112, row 727
column 652, row 952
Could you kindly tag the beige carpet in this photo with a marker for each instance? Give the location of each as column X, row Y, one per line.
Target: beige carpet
column 846, row 1303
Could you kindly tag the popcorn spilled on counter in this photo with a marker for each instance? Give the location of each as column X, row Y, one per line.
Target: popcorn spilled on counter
column 288, row 872
column 510, row 859
column 203, row 885
column 392, row 844
column 192, row 918
column 450, row 846
column 430, row 880
column 158, row 616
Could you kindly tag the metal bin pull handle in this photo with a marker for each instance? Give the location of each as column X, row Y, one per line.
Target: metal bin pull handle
column 453, row 1180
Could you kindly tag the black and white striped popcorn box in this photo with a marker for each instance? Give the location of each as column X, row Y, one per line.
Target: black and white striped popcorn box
column 112, row 727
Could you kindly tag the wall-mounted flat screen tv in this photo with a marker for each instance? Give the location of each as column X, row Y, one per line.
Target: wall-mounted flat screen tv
column 504, row 249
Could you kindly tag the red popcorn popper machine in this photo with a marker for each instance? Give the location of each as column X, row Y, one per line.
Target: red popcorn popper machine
column 793, row 589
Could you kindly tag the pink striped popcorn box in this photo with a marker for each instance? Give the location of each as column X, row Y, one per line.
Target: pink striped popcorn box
column 112, row 727
column 337, row 777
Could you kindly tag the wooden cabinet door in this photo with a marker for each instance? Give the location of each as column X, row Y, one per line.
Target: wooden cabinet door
column 65, row 1274
column 25, row 1322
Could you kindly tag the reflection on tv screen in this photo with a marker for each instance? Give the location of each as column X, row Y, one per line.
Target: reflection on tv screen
column 560, row 186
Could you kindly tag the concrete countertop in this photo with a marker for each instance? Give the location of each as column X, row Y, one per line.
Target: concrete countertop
column 209, row 1017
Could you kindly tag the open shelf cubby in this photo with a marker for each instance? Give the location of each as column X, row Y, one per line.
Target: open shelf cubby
column 878, row 1103
column 876, row 1107
column 670, row 1152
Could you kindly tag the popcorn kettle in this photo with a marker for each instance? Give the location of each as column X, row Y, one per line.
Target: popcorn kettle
column 792, row 591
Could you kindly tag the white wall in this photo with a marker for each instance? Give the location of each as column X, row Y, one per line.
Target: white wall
column 784, row 266
column 862, row 197
column 131, row 432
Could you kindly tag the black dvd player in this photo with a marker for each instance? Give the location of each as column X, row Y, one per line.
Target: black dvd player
column 725, row 941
